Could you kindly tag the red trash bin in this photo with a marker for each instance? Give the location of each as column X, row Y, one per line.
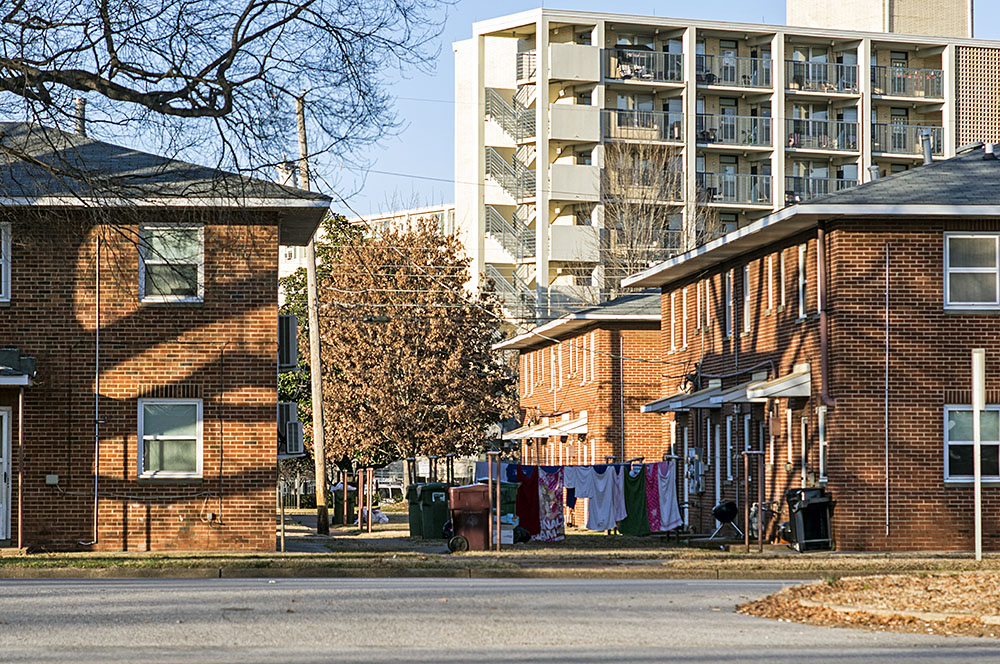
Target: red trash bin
column 470, row 517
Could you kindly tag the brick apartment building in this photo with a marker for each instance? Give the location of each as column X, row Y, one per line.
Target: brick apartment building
column 835, row 336
column 584, row 377
column 139, row 318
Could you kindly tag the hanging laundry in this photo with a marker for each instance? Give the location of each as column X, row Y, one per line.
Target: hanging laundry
column 605, row 487
column 670, row 513
column 653, row 495
column 574, row 476
column 636, row 523
column 550, row 503
column 527, row 498
column 482, row 472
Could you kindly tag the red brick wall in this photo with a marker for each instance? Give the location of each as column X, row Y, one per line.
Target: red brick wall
column 618, row 349
column 929, row 366
column 222, row 350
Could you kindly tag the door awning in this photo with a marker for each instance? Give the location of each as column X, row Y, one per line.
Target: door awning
column 686, row 400
column 15, row 369
column 524, row 432
column 796, row 384
column 738, row 394
column 571, row 427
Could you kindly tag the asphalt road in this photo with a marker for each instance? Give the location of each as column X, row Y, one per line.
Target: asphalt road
column 428, row 620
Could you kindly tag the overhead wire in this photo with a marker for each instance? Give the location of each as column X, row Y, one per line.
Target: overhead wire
column 518, row 325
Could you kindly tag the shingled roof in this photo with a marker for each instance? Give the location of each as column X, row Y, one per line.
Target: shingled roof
column 42, row 166
column 966, row 179
column 642, row 307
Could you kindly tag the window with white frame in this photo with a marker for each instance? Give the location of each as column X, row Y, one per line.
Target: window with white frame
column 673, row 321
column 770, row 282
column 708, row 304
column 788, row 435
column 171, row 263
column 971, row 265
column 958, row 443
column 593, row 356
column 782, row 285
column 5, row 242
column 729, row 303
column 746, row 298
column 802, row 281
column 170, row 438
column 560, row 362
column 729, row 447
column 583, row 358
column 552, row 368
column 697, row 304
column 684, row 318
column 746, row 432
column 821, row 434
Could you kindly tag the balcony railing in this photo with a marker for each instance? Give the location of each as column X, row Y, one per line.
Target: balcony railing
column 653, row 66
column 643, row 125
column 733, row 129
column 734, row 188
column 905, row 139
column 643, row 243
column 802, row 188
column 515, row 178
column 518, row 298
column 822, row 134
column 516, row 238
column 907, row 82
column 526, row 65
column 821, row 76
column 733, row 71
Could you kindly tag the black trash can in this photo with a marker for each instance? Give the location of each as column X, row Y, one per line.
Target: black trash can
column 809, row 519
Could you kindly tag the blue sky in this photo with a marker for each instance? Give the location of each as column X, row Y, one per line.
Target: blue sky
column 420, row 153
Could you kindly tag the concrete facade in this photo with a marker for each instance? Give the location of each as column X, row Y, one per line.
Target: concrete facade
column 753, row 115
column 945, row 18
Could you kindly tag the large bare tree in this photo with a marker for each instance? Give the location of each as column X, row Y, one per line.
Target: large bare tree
column 210, row 77
column 642, row 186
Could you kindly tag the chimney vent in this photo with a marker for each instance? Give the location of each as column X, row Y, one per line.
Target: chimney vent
column 925, row 142
column 81, row 115
column 988, row 151
column 873, row 172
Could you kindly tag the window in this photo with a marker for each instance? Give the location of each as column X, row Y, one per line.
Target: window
column 673, row 321
column 821, row 412
column 804, row 446
column 971, row 265
column 552, row 368
column 788, row 434
column 708, row 304
column 746, row 432
column 698, row 305
column 782, row 288
column 802, row 280
column 559, row 346
column 592, row 356
column 583, row 357
column 684, row 318
column 5, row 243
column 729, row 303
column 171, row 263
column 746, row 298
column 958, row 442
column 729, row 448
column 770, row 282
column 170, row 442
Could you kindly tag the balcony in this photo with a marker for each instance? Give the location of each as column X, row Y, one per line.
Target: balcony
column 642, row 125
column 828, row 77
column 734, row 188
column 798, row 188
column 822, row 135
column 734, row 72
column 644, row 66
column 733, row 130
column 907, row 82
column 905, row 139
column 516, row 179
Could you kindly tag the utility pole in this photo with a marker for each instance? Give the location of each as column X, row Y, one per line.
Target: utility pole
column 315, row 367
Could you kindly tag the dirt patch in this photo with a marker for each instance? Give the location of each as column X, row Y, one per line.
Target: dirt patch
column 950, row 604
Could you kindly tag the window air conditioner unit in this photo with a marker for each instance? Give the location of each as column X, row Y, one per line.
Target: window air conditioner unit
column 293, row 439
column 288, row 343
column 289, row 429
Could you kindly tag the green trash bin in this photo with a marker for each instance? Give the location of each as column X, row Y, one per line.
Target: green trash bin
column 413, row 501
column 433, row 509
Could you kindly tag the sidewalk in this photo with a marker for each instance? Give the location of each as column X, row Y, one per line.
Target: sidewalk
column 389, row 552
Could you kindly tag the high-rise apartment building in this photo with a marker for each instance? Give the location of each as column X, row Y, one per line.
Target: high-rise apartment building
column 709, row 120
column 939, row 18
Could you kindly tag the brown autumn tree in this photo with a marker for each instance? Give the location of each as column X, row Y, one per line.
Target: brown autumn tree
column 408, row 364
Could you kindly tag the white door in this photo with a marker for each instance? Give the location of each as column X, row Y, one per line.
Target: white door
column 5, row 473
